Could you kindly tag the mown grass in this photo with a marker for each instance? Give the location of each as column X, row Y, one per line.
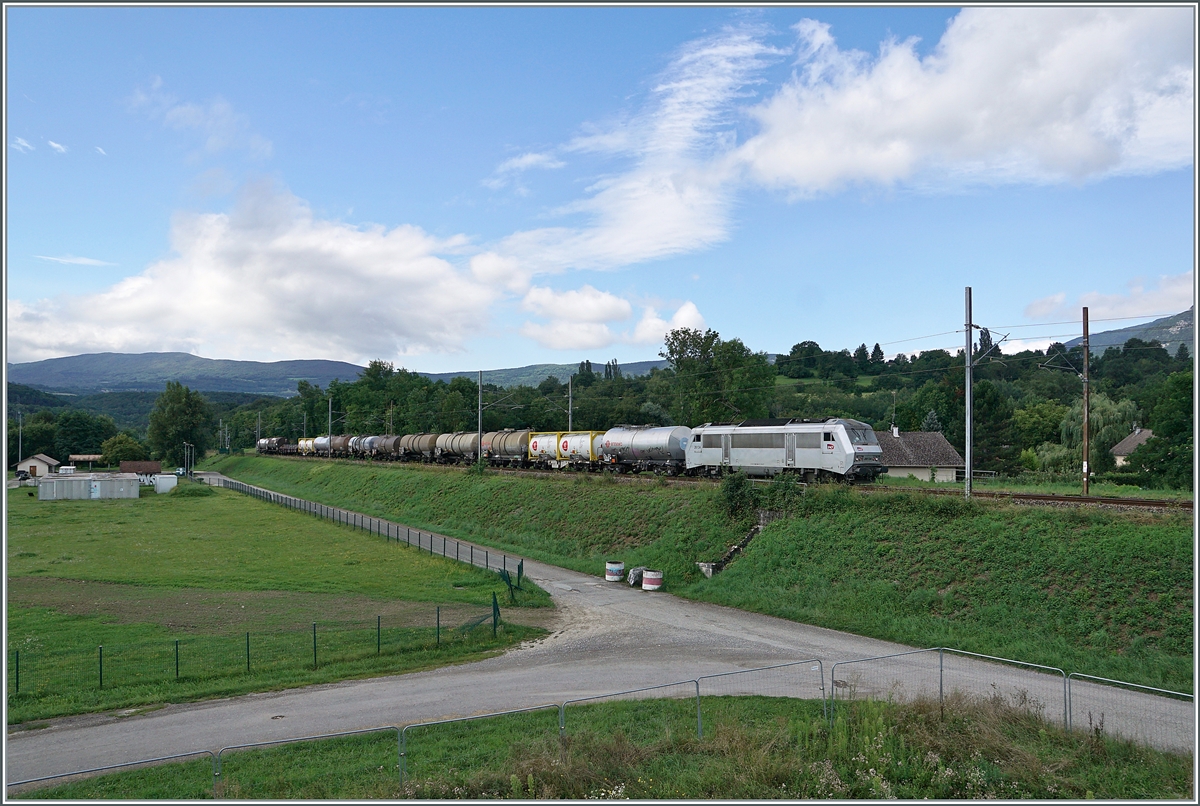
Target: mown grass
column 1093, row 591
column 136, row 575
column 1088, row 590
column 753, row 748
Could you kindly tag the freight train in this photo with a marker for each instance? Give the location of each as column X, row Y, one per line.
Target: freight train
column 833, row 448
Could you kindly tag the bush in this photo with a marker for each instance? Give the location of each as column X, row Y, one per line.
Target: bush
column 738, row 495
column 192, row 490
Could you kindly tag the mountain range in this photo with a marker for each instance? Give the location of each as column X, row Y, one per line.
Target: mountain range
column 149, row 372
column 1170, row 332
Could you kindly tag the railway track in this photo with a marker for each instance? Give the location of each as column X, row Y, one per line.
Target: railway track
column 1050, row 498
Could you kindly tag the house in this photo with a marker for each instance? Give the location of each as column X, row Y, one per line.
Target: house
column 1122, row 449
column 921, row 454
column 39, row 465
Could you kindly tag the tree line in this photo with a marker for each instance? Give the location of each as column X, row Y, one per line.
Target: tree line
column 1027, row 405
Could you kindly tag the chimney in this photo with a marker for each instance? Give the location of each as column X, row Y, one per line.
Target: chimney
column 896, row 431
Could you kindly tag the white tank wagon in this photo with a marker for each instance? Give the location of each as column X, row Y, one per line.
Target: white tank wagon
column 579, row 447
column 320, row 446
column 543, row 447
column 831, row 448
column 645, row 447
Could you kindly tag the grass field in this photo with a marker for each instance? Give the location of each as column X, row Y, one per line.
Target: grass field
column 753, row 748
column 1095, row 591
column 135, row 576
column 1021, row 484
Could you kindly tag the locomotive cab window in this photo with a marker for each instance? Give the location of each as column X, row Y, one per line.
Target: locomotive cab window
column 827, row 436
column 695, row 438
column 862, row 436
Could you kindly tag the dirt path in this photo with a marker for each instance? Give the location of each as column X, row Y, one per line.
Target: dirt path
column 609, row 637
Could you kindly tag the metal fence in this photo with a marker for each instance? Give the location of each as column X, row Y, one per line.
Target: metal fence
column 1160, row 718
column 198, row 658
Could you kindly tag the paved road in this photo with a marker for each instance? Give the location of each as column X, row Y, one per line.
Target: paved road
column 609, row 638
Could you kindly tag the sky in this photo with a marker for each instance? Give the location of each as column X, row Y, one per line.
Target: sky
column 461, row 188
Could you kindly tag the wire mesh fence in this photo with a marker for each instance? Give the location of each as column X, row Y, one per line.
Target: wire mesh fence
column 1151, row 716
column 804, row 679
column 192, row 658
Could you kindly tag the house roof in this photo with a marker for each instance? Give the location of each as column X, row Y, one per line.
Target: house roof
column 1127, row 445
column 86, row 457
column 918, row 449
column 44, row 459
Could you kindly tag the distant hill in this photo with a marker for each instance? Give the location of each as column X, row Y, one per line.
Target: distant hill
column 149, row 372
column 1170, row 332
column 534, row 374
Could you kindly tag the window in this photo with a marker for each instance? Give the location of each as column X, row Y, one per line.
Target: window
column 712, row 441
column 757, row 441
column 861, row 436
column 809, row 440
column 827, row 436
column 695, row 438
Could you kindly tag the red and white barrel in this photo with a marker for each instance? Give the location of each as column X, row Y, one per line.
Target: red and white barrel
column 613, row 570
column 651, row 580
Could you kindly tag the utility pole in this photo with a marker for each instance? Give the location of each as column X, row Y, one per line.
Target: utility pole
column 1086, row 401
column 570, row 405
column 20, row 449
column 390, row 431
column 329, row 450
column 258, row 429
column 479, row 437
column 967, row 389
column 304, row 427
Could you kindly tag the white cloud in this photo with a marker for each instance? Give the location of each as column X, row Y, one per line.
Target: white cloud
column 100, row 151
column 1174, row 293
column 652, row 328
column 79, row 261
column 505, row 171
column 585, row 305
column 562, row 334
column 1030, row 94
column 270, row 281
column 675, row 198
column 61, row 149
column 1046, row 307
column 20, row 145
column 222, row 127
column 1171, row 294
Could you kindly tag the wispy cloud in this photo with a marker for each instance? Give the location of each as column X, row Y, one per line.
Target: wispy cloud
column 507, row 170
column 101, row 151
column 77, row 261
column 222, row 127
column 1167, row 295
column 1030, row 94
column 61, row 149
column 20, row 145
column 585, row 319
column 333, row 291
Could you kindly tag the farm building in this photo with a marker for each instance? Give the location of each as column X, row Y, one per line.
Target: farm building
column 1122, row 449
column 90, row 458
column 146, row 471
column 83, row 486
column 921, row 454
column 39, row 465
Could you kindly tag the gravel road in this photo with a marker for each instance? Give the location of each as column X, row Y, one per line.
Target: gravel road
column 608, row 638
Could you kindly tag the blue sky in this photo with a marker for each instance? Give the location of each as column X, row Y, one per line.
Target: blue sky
column 463, row 188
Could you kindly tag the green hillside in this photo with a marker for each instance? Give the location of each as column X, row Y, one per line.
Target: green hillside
column 1097, row 591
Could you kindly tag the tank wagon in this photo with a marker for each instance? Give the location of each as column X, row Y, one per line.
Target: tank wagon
column 831, row 448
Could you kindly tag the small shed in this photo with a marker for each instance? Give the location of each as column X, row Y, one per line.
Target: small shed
column 39, row 465
column 921, row 454
column 1122, row 449
column 90, row 458
column 85, row 486
column 146, row 471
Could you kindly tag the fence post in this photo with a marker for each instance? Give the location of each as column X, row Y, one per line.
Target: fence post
column 699, row 718
column 443, row 546
column 486, row 562
column 314, row 646
column 504, row 562
column 457, row 546
column 472, row 554
column 495, row 614
column 378, row 634
column 102, row 661
column 176, row 658
column 439, row 626
column 941, row 677
column 247, row 653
